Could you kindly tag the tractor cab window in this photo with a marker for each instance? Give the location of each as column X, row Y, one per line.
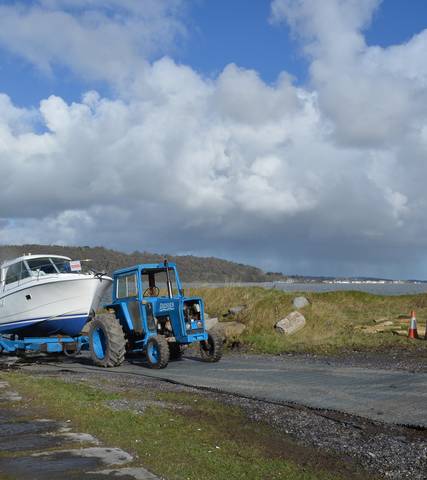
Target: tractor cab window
column 154, row 282
column 127, row 286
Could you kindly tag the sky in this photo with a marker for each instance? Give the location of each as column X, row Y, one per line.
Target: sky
column 287, row 134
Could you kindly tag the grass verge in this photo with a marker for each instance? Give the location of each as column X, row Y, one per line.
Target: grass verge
column 188, row 437
column 332, row 318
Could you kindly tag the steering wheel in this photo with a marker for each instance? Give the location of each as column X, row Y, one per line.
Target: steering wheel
column 151, row 292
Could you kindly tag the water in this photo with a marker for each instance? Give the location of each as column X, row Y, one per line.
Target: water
column 375, row 288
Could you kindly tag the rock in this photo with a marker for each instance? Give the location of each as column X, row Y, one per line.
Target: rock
column 300, row 302
column 230, row 330
column 236, row 310
column 290, row 324
column 402, row 333
column 380, row 320
column 210, row 322
column 377, row 328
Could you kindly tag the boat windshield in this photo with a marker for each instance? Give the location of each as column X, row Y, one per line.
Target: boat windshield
column 62, row 264
column 41, row 265
column 48, row 265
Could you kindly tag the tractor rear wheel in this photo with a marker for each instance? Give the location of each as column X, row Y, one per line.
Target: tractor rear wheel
column 106, row 341
column 158, row 352
column 175, row 351
column 211, row 349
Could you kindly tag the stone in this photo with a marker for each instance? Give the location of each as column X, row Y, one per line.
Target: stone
column 377, row 328
column 300, row 302
column 291, row 324
column 380, row 320
column 236, row 310
column 402, row 333
column 230, row 330
column 210, row 322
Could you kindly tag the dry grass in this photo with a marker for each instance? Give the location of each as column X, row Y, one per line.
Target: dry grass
column 331, row 318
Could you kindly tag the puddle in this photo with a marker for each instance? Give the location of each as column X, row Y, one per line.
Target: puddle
column 26, row 442
column 134, row 473
column 21, row 428
column 43, row 466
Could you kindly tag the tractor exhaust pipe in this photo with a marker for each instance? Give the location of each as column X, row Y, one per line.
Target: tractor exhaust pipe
column 168, row 280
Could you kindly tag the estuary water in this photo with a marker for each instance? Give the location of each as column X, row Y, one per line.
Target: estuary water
column 375, row 288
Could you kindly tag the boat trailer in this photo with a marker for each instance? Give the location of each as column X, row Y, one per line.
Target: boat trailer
column 71, row 346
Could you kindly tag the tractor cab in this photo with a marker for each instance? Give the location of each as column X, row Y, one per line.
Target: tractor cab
column 149, row 300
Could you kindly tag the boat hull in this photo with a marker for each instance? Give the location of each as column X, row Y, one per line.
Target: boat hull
column 61, row 305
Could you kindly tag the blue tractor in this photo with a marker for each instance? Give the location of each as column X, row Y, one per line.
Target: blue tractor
column 150, row 314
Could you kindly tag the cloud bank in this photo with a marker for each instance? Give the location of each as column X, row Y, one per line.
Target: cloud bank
column 325, row 178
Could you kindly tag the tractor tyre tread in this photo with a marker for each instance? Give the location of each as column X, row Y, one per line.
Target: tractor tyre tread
column 164, row 354
column 175, row 351
column 116, row 342
column 214, row 351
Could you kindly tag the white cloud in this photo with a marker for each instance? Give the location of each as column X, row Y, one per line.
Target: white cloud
column 316, row 179
column 96, row 39
column 372, row 95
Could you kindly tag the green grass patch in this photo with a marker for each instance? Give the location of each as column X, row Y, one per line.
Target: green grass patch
column 332, row 318
column 191, row 438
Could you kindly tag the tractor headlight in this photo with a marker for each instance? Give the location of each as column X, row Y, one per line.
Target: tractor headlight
column 188, row 326
column 199, row 324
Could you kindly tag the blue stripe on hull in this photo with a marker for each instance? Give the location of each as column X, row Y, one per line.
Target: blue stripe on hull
column 70, row 325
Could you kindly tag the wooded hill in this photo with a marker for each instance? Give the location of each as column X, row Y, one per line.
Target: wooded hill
column 191, row 268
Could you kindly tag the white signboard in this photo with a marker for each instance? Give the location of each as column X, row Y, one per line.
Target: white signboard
column 75, row 266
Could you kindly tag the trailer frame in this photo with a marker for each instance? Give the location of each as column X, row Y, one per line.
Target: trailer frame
column 61, row 344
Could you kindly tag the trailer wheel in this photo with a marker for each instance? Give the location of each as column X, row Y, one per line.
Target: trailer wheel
column 158, row 352
column 71, row 351
column 106, row 341
column 211, row 349
column 175, row 351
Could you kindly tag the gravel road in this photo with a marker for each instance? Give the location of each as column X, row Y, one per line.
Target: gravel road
column 367, row 409
column 389, row 396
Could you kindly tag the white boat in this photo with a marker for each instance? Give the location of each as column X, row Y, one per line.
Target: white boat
column 41, row 295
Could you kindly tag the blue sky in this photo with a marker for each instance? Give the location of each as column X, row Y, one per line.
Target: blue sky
column 219, row 32
column 289, row 134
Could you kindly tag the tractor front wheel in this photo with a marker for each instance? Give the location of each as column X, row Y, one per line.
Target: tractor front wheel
column 175, row 351
column 211, row 349
column 158, row 352
column 106, row 341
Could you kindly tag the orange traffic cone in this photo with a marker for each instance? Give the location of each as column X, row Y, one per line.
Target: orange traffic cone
column 413, row 326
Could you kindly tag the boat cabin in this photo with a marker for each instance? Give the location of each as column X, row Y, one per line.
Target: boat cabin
column 35, row 266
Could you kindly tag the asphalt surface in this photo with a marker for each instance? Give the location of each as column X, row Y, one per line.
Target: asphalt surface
column 390, row 396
